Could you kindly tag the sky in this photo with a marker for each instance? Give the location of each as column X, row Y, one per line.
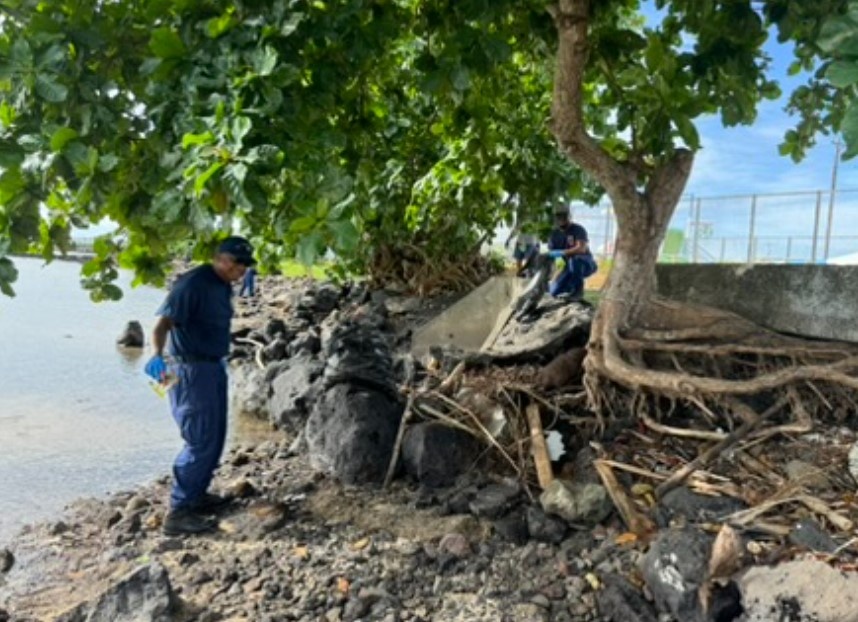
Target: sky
column 745, row 159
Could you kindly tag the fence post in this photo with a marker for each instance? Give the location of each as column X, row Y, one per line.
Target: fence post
column 695, row 250
column 817, row 215
column 752, row 230
column 607, row 229
column 723, row 249
column 831, row 198
column 789, row 249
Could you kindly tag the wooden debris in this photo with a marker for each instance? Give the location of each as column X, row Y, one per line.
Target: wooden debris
column 820, row 507
column 702, row 435
column 637, row 522
column 538, row 448
column 397, row 445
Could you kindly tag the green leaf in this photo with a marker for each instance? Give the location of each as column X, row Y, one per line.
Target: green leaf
column 11, row 182
column 111, row 292
column 192, row 140
column 687, row 131
column 839, row 34
column 7, row 114
column 265, row 61
column 61, row 137
column 308, row 248
column 77, row 155
column 201, row 180
column 849, row 128
column 108, row 162
column 842, row 73
column 50, row 90
column 8, row 275
column 11, row 155
column 217, row 26
column 166, row 43
column 291, row 24
column 346, row 235
column 240, row 127
column 461, row 78
column 654, row 53
column 302, row 225
column 21, row 54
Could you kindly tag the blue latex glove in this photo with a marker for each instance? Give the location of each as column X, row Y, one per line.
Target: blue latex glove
column 557, row 254
column 156, row 368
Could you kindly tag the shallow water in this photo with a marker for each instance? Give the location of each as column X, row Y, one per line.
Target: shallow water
column 77, row 415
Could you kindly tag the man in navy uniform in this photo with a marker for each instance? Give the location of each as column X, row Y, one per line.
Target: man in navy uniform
column 196, row 317
column 570, row 245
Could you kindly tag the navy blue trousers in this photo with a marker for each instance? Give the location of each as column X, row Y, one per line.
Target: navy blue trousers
column 199, row 408
column 571, row 280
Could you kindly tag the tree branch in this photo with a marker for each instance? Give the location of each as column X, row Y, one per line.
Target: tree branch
column 571, row 18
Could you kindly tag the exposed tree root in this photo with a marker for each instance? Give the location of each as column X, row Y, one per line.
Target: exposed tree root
column 722, row 362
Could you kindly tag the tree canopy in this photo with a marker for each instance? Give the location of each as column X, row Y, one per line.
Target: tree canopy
column 382, row 130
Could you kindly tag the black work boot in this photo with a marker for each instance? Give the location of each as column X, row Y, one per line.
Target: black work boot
column 185, row 521
column 208, row 502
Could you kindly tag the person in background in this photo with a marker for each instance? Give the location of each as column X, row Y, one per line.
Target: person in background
column 569, row 246
column 248, row 283
column 525, row 254
column 195, row 319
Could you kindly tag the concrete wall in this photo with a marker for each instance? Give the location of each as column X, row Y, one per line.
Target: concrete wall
column 817, row 301
column 468, row 323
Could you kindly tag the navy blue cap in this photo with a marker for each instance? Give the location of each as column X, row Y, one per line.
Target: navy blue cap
column 239, row 248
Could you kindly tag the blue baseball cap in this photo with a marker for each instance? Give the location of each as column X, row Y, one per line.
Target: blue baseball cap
column 239, row 248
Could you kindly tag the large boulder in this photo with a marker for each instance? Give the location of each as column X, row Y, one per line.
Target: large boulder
column 351, row 432
column 357, row 352
column 292, row 393
column 248, row 390
column 132, row 336
column 435, row 454
column 143, row 595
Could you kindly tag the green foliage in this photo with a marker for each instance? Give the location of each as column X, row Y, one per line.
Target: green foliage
column 838, row 39
column 356, row 126
column 345, row 126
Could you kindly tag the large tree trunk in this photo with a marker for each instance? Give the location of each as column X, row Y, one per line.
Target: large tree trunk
column 642, row 215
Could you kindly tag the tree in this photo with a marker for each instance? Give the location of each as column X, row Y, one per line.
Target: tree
column 312, row 125
column 705, row 57
column 838, row 40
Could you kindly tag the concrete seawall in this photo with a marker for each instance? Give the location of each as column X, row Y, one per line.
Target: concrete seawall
column 811, row 300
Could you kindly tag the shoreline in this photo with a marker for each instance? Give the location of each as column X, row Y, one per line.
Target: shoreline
column 297, row 544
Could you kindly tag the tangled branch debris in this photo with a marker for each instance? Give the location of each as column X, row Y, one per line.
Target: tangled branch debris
column 725, row 420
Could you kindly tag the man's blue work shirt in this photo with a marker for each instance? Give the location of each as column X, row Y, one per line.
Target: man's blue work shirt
column 200, row 307
column 561, row 239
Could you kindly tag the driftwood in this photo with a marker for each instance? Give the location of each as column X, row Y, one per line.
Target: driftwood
column 538, row 448
column 637, row 522
column 397, row 445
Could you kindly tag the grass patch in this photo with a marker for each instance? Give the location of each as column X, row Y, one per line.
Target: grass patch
column 293, row 269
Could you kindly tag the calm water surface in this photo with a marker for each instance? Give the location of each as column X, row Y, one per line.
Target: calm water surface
column 77, row 415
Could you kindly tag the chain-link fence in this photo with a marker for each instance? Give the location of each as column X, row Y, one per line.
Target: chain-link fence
column 799, row 227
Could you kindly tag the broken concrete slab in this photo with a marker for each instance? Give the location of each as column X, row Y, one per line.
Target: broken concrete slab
column 799, row 591
column 557, row 325
column 467, row 323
